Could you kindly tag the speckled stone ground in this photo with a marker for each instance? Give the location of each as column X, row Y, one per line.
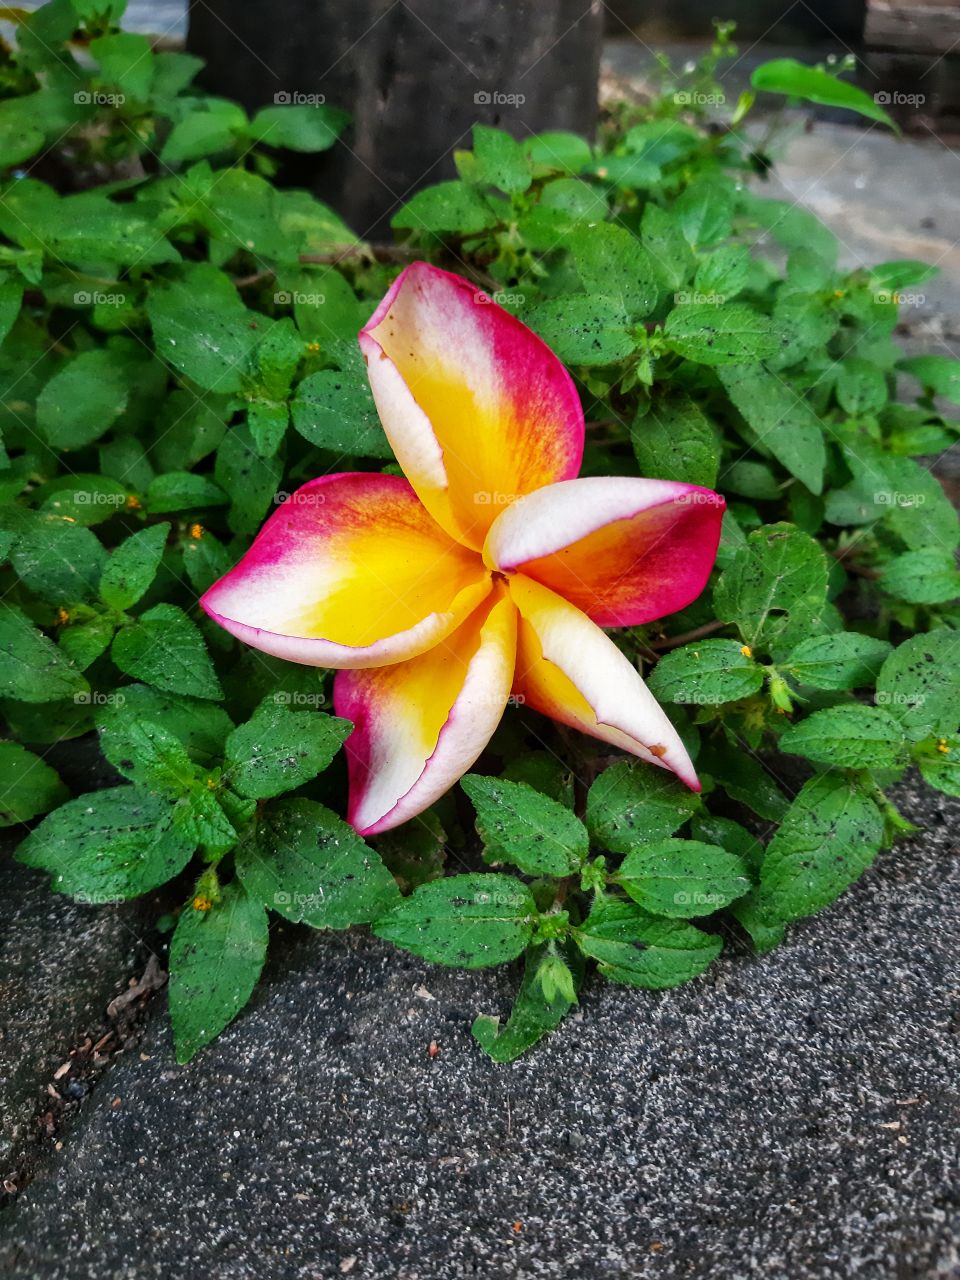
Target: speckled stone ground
column 789, row 1117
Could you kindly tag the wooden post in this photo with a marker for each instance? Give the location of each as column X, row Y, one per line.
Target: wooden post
column 414, row 75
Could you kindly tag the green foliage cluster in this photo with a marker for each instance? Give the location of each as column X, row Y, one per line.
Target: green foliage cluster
column 178, row 350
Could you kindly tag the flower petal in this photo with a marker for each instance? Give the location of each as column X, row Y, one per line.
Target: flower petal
column 350, row 572
column 568, row 669
column 420, row 725
column 477, row 408
column 622, row 549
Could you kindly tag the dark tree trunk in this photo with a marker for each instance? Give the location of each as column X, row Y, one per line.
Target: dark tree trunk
column 414, row 74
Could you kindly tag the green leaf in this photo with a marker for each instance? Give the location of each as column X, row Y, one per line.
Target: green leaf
column 731, row 333
column 683, row 878
column 672, row 257
column 126, row 62
column 706, row 673
column 926, row 576
column 674, row 440
column 212, row 127
column 499, row 161
column 181, row 491
column 216, row 957
column 582, row 329
column 163, row 647
column 334, row 409
column 790, row 225
column 109, row 845
column 730, row 835
column 613, row 264
column 641, row 950
column 203, row 729
column 279, row 749
column 704, row 212
column 470, row 921
column 775, row 589
column 630, row 804
column 55, row 559
column 83, row 643
column 531, row 1018
column 298, row 127
column 446, row 207
column 853, row 737
column 33, row 668
column 939, row 374
column 744, row 779
column 305, row 863
column 780, row 421
column 250, row 480
column 201, row 327
column 796, row 80
column 557, row 150
column 861, row 386
column 941, row 769
column 11, row 296
column 842, row 661
column 143, row 751
column 133, row 566
column 29, row 786
column 520, row 825
column 920, row 684
column 901, row 273
column 84, row 499
column 830, row 834
column 723, row 273
column 205, row 559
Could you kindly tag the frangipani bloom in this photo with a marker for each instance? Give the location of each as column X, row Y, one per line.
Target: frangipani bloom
column 488, row 571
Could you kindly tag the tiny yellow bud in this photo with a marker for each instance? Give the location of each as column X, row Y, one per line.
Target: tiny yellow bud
column 211, row 784
column 196, row 532
column 838, row 293
column 63, row 617
column 200, row 903
column 943, row 747
column 746, row 651
column 313, row 346
column 133, row 502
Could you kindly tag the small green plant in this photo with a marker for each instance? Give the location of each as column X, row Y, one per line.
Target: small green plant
column 179, row 351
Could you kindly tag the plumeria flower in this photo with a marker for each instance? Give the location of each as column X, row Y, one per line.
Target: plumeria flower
column 488, row 572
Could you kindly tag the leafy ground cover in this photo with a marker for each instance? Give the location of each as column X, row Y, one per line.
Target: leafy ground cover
column 179, row 354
